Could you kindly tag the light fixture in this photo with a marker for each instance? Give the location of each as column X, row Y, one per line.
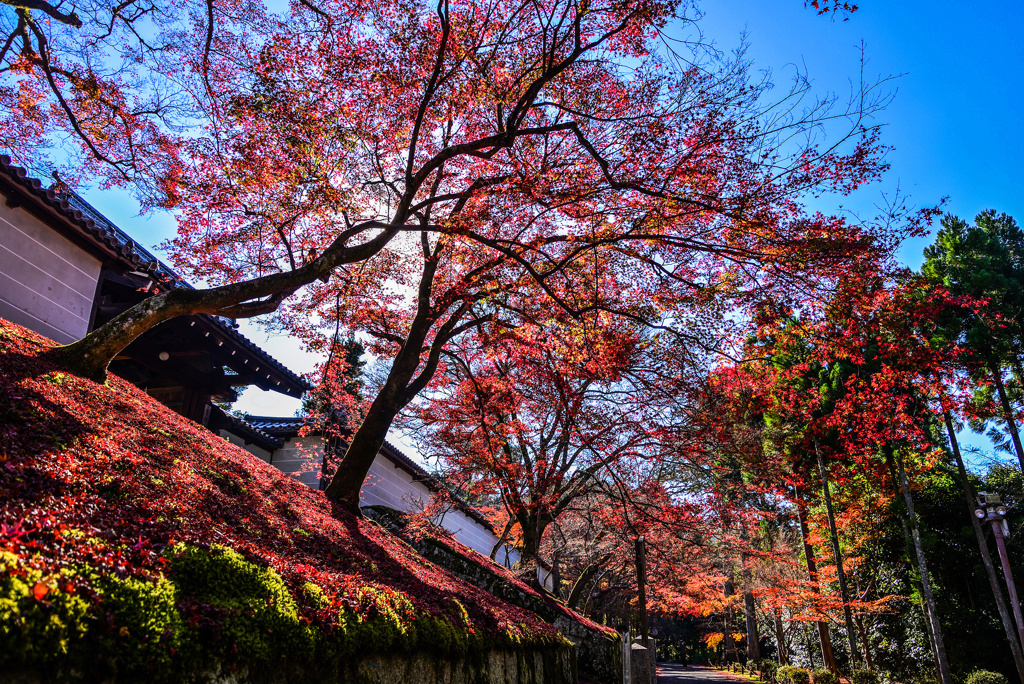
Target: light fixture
column 1001, row 510
column 980, row 512
column 164, row 356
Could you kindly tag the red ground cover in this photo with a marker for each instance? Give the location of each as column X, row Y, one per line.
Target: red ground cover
column 106, row 477
column 418, row 528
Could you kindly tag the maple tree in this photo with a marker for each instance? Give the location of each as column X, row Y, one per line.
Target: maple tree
column 542, row 416
column 843, row 394
column 417, row 169
column 592, row 550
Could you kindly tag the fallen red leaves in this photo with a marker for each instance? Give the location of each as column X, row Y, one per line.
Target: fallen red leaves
column 106, row 477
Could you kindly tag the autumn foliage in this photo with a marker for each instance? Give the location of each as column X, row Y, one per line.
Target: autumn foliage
column 103, row 485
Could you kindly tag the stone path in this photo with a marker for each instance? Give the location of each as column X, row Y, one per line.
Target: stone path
column 671, row 673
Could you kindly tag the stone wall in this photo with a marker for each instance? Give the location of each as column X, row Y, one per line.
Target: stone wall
column 544, row 666
column 599, row 655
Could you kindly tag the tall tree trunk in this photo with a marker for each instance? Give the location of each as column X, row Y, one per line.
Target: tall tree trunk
column 862, row 630
column 405, row 380
column 810, row 648
column 729, row 622
column 750, row 613
column 780, row 638
column 503, row 538
column 366, row 443
column 582, row 582
column 838, row 556
column 926, row 585
column 393, row 396
column 750, row 609
column 986, row 558
column 812, row 573
column 1008, row 414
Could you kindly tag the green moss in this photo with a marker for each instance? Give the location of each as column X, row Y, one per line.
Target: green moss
column 214, row 610
column 148, row 631
column 33, row 630
column 314, row 596
column 260, row 617
column 56, row 378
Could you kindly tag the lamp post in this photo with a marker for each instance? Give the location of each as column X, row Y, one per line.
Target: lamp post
column 991, row 510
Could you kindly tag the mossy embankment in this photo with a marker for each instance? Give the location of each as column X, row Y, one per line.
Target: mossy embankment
column 137, row 545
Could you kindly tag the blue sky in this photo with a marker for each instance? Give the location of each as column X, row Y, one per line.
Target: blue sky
column 955, row 123
column 956, row 120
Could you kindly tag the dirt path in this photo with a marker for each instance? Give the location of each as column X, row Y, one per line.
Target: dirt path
column 672, row 673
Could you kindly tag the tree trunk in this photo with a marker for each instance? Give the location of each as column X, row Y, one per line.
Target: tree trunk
column 502, row 539
column 581, row 584
column 838, row 556
column 810, row 647
column 812, row 573
column 986, row 558
column 862, row 630
column 1008, row 415
column 926, row 585
column 750, row 612
column 780, row 638
column 90, row 356
column 362, row 450
column 729, row 621
column 405, row 379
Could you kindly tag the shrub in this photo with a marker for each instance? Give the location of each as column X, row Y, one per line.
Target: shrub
column 986, row 677
column 259, row 616
column 33, row 632
column 768, row 669
column 793, row 675
column 864, row 677
column 822, row 676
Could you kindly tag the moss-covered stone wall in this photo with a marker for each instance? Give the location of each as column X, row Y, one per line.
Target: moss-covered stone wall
column 599, row 654
column 216, row 617
column 549, row 666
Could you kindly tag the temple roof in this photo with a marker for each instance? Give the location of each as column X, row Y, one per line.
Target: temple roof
column 70, row 214
column 252, row 434
column 279, row 426
column 110, row 246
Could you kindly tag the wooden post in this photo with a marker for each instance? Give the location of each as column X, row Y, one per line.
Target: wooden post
column 997, row 529
column 641, row 580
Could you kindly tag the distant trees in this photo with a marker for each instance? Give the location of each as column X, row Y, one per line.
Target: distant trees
column 983, row 263
column 545, row 416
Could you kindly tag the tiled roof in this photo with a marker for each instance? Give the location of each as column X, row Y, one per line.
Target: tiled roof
column 170, row 278
column 277, row 425
column 247, row 431
column 114, row 244
column 104, row 236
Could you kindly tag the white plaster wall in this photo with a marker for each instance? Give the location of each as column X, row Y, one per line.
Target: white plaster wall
column 301, row 457
column 390, row 486
column 385, row 485
column 47, row 283
column 256, row 451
